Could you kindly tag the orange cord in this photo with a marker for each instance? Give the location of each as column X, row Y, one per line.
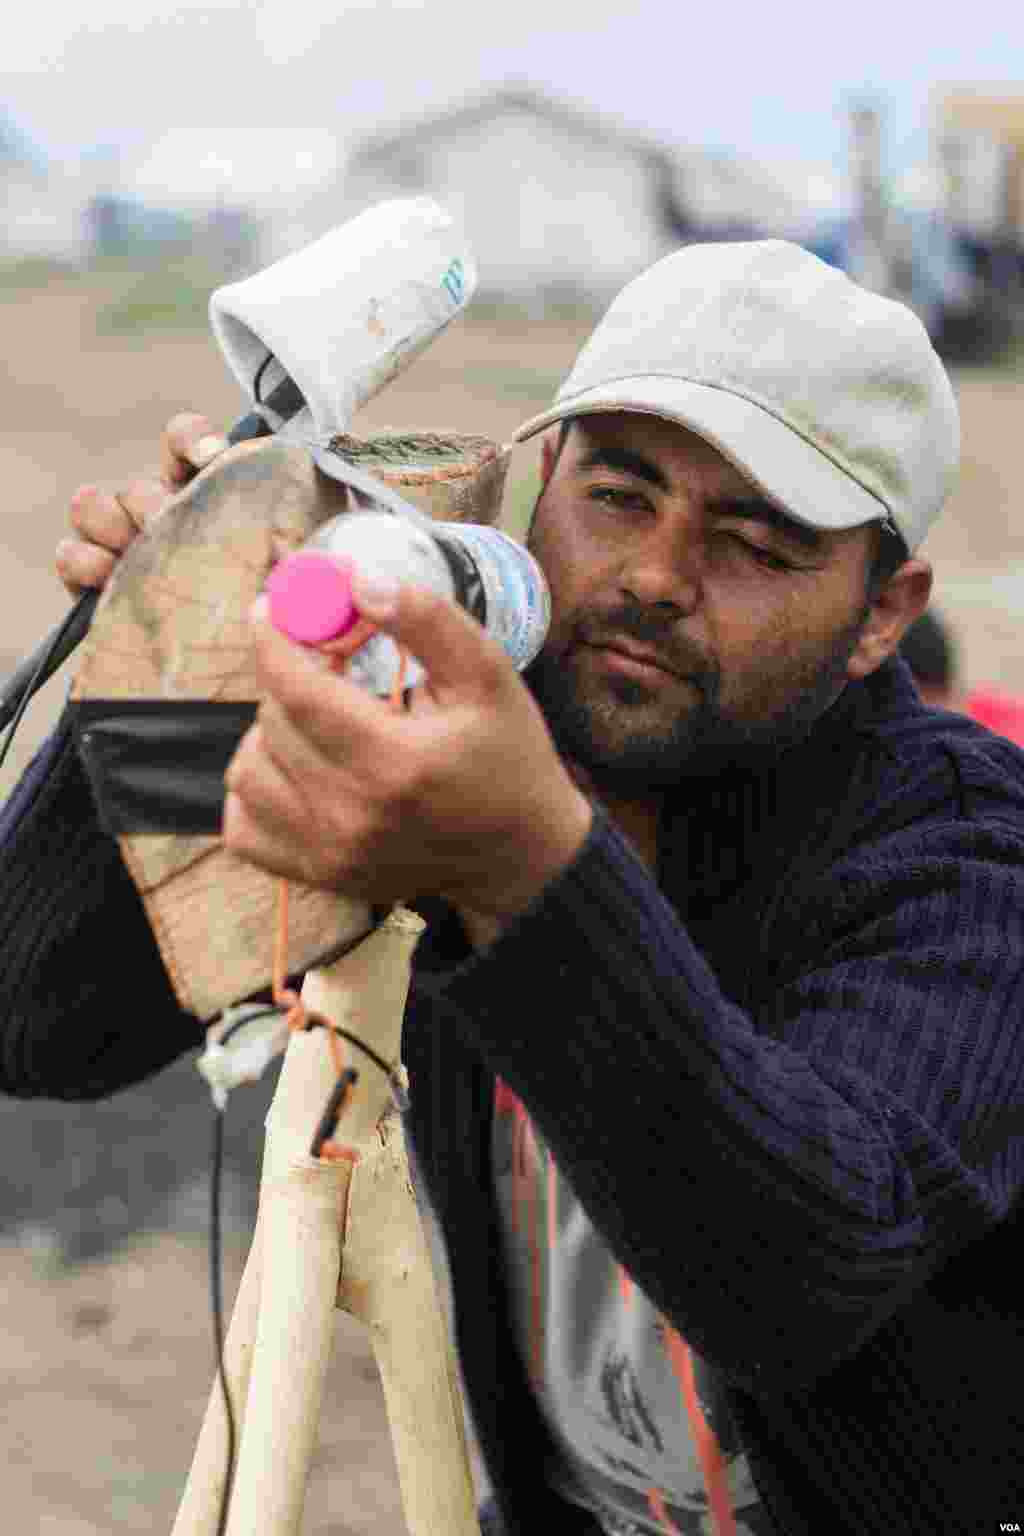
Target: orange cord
column 343, row 646
column 704, row 1438
column 525, row 1174
column 659, row 1509
column 338, row 652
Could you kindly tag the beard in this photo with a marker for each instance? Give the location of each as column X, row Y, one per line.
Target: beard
column 632, row 743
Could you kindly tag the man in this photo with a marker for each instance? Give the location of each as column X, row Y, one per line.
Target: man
column 721, row 987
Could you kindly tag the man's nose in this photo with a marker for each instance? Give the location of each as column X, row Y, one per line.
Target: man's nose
column 664, row 571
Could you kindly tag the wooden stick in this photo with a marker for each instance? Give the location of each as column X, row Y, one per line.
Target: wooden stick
column 387, row 1278
column 302, row 1205
column 336, row 1233
column 387, row 1281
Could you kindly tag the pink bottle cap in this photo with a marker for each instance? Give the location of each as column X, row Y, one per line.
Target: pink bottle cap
column 310, row 596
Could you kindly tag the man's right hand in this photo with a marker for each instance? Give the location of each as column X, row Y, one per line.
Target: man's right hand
column 104, row 523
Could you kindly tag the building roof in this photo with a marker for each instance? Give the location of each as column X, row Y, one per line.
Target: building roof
column 515, row 96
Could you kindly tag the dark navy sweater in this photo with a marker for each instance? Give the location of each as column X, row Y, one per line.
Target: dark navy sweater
column 786, row 1080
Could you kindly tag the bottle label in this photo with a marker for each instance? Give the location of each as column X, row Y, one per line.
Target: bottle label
column 518, row 602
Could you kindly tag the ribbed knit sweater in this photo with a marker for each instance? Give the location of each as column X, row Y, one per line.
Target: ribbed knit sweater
column 786, row 1080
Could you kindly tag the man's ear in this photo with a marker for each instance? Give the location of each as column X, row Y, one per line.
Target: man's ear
column 548, row 454
column 903, row 598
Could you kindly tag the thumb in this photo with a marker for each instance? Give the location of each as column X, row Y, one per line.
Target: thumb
column 453, row 648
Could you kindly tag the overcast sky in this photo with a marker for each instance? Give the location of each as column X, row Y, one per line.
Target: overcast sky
column 226, row 74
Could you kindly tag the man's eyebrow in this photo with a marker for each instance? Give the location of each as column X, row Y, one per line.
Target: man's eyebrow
column 759, row 510
column 754, row 508
column 610, row 456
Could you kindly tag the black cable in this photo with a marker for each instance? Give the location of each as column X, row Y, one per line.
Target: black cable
column 248, row 1018
column 23, row 683
column 217, row 1308
column 331, row 1115
column 257, row 383
column 216, row 1277
column 316, row 1023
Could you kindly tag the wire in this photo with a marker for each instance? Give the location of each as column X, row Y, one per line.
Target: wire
column 44, row 668
column 216, row 1280
column 217, row 1308
column 334, row 1110
column 30, row 674
column 248, row 1018
column 314, row 1021
column 257, row 383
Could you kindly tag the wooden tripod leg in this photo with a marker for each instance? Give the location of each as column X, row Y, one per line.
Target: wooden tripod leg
column 302, row 1204
column 387, row 1277
column 297, row 1275
column 279, row 1341
column 199, row 1511
column 387, row 1281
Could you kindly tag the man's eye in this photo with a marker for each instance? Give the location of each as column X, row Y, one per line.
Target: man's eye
column 617, row 496
column 755, row 552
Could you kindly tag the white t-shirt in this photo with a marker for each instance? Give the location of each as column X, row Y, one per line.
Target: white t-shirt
column 601, row 1359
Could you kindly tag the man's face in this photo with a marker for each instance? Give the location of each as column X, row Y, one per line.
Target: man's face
column 690, row 617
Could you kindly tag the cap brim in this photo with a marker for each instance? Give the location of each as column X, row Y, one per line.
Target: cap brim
column 780, row 463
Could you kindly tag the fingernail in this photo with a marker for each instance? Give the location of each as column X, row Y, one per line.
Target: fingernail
column 375, row 592
column 208, row 448
column 260, row 609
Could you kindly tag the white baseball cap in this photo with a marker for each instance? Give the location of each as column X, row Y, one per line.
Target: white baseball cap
column 830, row 399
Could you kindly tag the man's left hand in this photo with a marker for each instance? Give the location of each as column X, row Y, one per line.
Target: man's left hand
column 462, row 796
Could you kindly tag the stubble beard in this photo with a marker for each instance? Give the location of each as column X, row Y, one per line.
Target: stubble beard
column 601, row 725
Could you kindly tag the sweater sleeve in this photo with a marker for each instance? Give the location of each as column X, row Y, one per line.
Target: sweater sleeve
column 777, row 1184
column 86, row 1006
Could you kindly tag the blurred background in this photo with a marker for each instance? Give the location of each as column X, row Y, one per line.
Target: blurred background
column 148, row 153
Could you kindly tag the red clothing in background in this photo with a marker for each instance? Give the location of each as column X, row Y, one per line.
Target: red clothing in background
column 1001, row 712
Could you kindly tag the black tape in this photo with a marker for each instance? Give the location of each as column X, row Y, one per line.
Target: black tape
column 157, row 765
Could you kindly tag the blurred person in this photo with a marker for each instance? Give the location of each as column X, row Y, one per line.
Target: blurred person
column 723, row 971
column 929, row 651
column 927, row 648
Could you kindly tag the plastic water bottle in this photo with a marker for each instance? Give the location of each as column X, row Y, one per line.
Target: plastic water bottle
column 483, row 570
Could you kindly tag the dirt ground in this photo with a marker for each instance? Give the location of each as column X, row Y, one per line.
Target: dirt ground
column 106, row 1372
column 105, row 1365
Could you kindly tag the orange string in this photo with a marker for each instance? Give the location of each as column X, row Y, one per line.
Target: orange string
column 336, row 1152
column 343, row 646
column 284, row 996
column 532, row 1171
column 708, row 1452
column 338, row 652
column 659, row 1509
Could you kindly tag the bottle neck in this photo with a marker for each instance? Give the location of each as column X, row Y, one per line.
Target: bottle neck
column 468, row 585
